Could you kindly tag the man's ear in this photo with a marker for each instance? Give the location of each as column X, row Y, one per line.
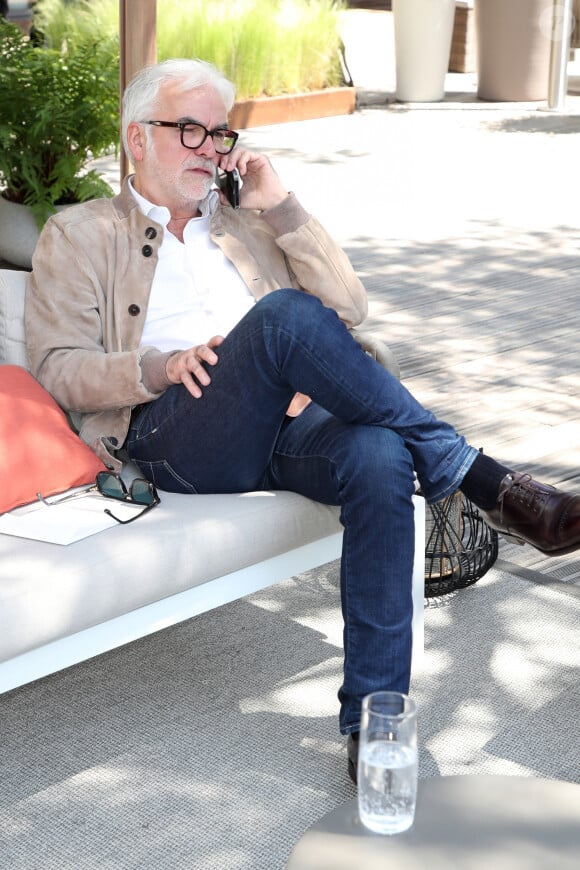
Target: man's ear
column 136, row 139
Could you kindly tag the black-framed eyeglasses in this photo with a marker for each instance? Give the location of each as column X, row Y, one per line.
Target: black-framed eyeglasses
column 194, row 135
column 141, row 492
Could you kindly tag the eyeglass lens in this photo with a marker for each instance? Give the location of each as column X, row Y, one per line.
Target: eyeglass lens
column 140, row 491
column 193, row 135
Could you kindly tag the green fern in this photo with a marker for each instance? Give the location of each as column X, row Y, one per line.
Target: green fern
column 59, row 109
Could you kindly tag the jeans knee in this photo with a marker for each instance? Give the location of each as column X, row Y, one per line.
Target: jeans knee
column 378, row 458
column 288, row 305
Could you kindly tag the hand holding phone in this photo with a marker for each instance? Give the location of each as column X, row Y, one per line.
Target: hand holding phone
column 229, row 182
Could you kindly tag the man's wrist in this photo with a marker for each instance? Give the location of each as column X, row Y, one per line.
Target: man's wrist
column 154, row 370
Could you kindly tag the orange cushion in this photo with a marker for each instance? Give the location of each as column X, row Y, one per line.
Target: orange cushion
column 39, row 452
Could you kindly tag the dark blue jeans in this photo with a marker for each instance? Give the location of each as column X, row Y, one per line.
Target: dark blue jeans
column 356, row 446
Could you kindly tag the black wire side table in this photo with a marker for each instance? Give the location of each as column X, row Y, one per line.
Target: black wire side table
column 459, row 545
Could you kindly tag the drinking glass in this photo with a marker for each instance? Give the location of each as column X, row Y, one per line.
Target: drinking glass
column 387, row 762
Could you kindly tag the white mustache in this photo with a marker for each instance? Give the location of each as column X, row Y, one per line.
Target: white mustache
column 207, row 165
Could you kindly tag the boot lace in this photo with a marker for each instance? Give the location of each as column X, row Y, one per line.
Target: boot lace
column 518, row 488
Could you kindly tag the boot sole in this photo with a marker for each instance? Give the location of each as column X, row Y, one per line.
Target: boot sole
column 564, row 551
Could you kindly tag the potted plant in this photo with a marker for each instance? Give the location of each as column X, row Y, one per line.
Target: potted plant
column 59, row 109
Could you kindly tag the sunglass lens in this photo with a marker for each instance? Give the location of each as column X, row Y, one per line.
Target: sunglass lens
column 142, row 492
column 110, row 485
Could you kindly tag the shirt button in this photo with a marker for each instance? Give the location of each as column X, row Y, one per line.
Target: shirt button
column 134, row 310
column 220, row 233
column 151, row 233
column 146, row 250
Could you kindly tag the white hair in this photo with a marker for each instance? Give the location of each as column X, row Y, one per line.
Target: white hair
column 140, row 97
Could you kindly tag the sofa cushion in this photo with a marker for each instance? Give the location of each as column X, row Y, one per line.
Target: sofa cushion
column 38, row 450
column 12, row 343
column 50, row 591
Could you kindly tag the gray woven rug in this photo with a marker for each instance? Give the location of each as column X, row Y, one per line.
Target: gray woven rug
column 213, row 745
column 527, row 562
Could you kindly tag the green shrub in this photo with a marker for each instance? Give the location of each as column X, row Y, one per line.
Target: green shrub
column 58, row 110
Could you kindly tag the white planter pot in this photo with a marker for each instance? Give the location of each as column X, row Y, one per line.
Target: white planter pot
column 18, row 233
column 423, row 34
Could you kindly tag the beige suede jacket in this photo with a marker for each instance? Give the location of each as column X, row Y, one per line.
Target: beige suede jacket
column 88, row 292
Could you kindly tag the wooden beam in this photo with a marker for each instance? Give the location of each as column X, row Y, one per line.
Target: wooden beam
column 137, row 45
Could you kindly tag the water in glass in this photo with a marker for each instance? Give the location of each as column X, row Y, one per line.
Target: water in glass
column 387, row 786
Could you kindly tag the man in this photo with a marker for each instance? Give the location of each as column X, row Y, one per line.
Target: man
column 212, row 344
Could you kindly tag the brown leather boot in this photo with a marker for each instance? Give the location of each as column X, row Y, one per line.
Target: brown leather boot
column 536, row 514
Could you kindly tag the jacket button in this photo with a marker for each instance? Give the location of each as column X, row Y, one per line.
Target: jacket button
column 134, row 310
column 146, row 250
column 114, row 441
column 151, row 233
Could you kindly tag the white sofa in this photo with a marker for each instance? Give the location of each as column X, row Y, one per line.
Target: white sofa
column 63, row 604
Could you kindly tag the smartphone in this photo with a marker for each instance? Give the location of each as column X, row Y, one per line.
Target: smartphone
column 229, row 182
